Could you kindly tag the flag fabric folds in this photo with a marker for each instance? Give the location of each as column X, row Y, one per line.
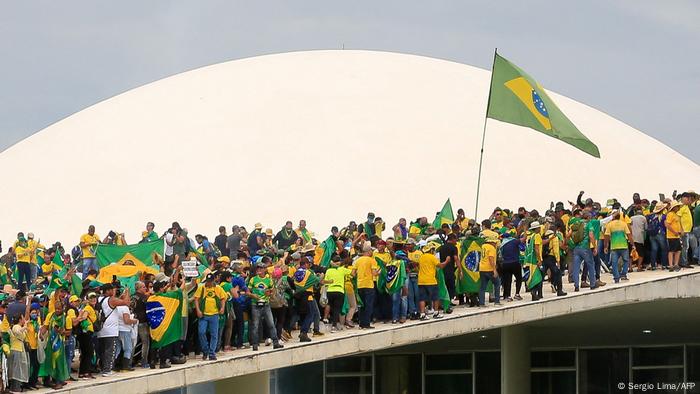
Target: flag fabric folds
column 304, row 279
column 392, row 275
column 138, row 253
column 324, row 252
column 532, row 276
column 517, row 98
column 468, row 279
column 444, row 216
column 112, row 259
column 164, row 313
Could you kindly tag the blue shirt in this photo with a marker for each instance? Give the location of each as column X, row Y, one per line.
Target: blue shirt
column 238, row 280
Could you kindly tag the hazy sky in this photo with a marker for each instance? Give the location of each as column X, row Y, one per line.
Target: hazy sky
column 636, row 60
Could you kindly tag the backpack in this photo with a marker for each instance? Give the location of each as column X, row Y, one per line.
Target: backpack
column 101, row 317
column 578, row 232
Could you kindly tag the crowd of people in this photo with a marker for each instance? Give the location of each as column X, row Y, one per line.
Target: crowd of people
column 267, row 288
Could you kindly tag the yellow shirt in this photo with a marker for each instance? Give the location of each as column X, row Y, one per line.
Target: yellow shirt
column 491, row 234
column 91, row 317
column 17, row 336
column 385, row 257
column 565, row 219
column 488, row 252
column 365, row 267
column 23, row 255
column 70, row 315
column 91, row 241
column 32, row 334
column 415, row 256
column 337, row 275
column 33, row 245
column 673, row 222
column 426, row 269
column 47, row 269
column 686, row 218
column 554, row 247
column 209, row 294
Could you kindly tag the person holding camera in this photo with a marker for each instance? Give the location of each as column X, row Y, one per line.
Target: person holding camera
column 260, row 288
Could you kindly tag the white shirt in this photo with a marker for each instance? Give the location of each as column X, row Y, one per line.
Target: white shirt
column 168, row 248
column 111, row 325
column 121, row 310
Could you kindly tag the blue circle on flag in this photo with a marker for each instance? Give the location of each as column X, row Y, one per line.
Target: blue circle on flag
column 539, row 104
column 472, row 260
column 155, row 311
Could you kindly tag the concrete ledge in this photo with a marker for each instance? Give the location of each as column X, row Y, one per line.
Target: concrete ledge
column 643, row 287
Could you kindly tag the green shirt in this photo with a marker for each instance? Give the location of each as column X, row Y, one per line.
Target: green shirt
column 696, row 216
column 259, row 285
column 337, row 275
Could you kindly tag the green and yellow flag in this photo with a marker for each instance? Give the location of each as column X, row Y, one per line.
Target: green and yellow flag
column 127, row 260
column 444, row 216
column 532, row 276
column 468, row 278
column 517, row 98
column 164, row 313
column 392, row 276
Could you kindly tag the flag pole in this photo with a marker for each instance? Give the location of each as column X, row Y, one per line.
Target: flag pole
column 483, row 137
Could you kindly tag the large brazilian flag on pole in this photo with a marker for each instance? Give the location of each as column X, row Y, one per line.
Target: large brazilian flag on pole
column 517, row 98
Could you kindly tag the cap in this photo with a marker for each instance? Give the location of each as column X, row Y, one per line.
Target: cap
column 381, row 242
column 258, row 226
column 91, row 295
column 74, row 298
column 209, row 277
column 30, row 235
column 535, row 225
column 296, row 256
column 224, row 259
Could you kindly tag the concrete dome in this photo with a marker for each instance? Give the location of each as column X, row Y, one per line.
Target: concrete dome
column 322, row 135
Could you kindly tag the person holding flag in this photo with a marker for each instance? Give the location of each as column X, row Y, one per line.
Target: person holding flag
column 532, row 274
column 304, row 282
column 488, row 272
column 336, row 275
column 391, row 281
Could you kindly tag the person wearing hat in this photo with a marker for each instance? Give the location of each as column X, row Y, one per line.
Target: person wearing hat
column 34, row 246
column 259, row 290
column 427, row 280
column 674, row 233
column 551, row 255
column 488, row 272
column 656, row 232
column 256, row 240
column 304, row 281
column 580, row 234
column 209, row 303
column 617, row 240
column 533, row 256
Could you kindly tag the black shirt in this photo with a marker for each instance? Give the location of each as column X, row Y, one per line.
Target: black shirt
column 448, row 250
column 220, row 242
column 282, row 242
column 140, row 307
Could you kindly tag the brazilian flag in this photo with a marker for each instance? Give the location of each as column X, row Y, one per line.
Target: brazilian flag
column 139, row 254
column 392, row 275
column 324, row 252
column 532, row 276
column 517, row 98
column 443, row 294
column 444, row 216
column 304, row 280
column 164, row 314
column 468, row 279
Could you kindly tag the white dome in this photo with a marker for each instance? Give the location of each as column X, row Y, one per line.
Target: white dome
column 325, row 136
